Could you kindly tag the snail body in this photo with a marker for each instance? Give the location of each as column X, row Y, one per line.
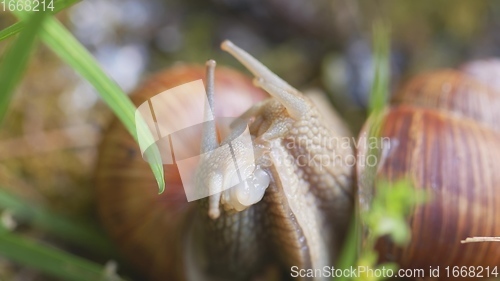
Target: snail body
column 298, row 221
column 444, row 134
column 306, row 205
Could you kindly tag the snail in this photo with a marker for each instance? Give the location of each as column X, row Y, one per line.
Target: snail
column 299, row 221
column 444, row 134
column 440, row 138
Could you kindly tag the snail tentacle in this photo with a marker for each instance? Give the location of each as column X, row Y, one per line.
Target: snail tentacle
column 210, row 142
column 296, row 104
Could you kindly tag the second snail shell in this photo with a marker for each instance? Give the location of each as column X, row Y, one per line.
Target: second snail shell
column 444, row 134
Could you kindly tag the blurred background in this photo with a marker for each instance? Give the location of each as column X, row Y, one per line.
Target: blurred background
column 49, row 138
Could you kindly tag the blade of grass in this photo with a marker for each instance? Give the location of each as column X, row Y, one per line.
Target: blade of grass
column 353, row 250
column 378, row 100
column 15, row 60
column 380, row 87
column 15, row 28
column 75, row 232
column 65, row 45
column 388, row 207
column 349, row 254
column 11, row 30
column 50, row 260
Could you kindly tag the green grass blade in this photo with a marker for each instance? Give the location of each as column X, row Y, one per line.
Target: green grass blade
column 75, row 232
column 380, row 86
column 355, row 250
column 49, row 260
column 349, row 254
column 65, row 45
column 11, row 30
column 15, row 60
column 59, row 5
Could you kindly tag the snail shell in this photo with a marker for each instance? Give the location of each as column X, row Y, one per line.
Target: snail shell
column 150, row 228
column 444, row 134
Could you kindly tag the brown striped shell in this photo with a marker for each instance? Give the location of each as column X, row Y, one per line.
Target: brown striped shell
column 444, row 131
column 150, row 228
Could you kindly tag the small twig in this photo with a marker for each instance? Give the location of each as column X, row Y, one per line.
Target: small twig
column 480, row 239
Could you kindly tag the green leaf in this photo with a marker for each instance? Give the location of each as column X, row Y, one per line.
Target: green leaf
column 394, row 226
column 49, row 259
column 15, row 60
column 59, row 5
column 65, row 45
column 390, row 207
